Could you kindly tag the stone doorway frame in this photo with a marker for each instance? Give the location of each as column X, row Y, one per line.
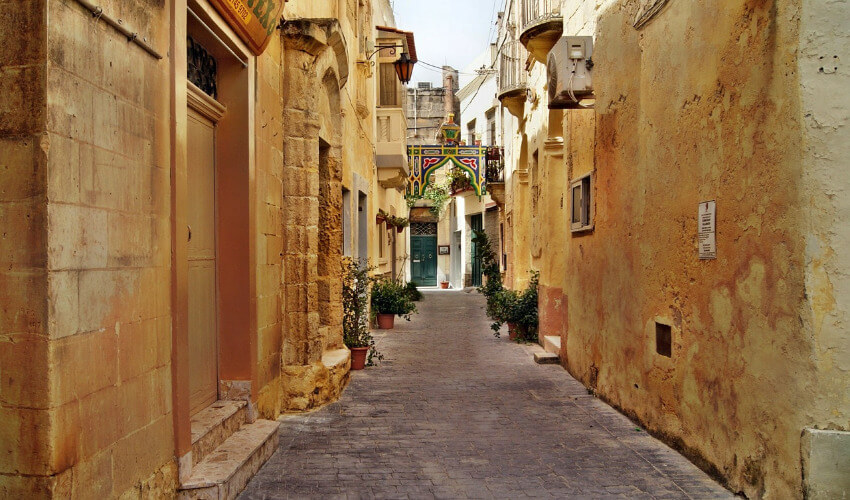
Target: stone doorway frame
column 235, row 218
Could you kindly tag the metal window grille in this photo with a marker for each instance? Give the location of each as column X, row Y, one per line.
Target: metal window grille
column 423, row 228
column 202, row 68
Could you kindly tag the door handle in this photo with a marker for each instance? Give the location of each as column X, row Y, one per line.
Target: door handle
column 190, row 232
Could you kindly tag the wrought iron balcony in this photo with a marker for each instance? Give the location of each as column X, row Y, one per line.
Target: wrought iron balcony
column 495, row 165
column 513, row 79
column 496, row 175
column 542, row 25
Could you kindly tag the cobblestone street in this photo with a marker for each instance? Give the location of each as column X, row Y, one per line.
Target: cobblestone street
column 452, row 412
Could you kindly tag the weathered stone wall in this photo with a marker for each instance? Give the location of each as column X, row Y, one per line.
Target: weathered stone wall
column 425, row 113
column 270, row 229
column 87, row 300
column 29, row 459
column 824, row 45
column 703, row 103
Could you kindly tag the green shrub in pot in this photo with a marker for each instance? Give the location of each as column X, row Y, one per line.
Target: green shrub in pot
column 391, row 297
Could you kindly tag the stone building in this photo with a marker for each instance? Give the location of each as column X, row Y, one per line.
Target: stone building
column 174, row 203
column 723, row 120
column 480, row 125
column 428, row 106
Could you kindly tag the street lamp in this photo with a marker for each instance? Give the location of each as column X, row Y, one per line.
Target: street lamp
column 403, row 65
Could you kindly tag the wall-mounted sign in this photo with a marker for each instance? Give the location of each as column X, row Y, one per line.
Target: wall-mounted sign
column 253, row 20
column 444, row 250
column 707, row 230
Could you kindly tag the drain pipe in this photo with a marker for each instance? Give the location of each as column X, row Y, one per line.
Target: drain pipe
column 97, row 13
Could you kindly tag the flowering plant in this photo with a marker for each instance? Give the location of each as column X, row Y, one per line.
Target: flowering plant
column 355, row 303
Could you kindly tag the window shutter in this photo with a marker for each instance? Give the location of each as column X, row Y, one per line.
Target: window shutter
column 389, row 96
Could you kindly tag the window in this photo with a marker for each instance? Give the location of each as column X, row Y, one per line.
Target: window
column 664, row 339
column 470, row 133
column 491, row 127
column 581, row 217
column 389, row 93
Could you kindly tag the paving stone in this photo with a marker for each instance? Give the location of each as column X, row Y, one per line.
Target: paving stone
column 452, row 412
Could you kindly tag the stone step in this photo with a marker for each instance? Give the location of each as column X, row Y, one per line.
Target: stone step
column 546, row 358
column 225, row 472
column 552, row 343
column 214, row 424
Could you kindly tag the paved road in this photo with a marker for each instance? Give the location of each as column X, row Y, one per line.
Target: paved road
column 453, row 412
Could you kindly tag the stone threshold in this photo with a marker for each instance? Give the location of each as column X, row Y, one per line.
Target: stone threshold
column 227, row 450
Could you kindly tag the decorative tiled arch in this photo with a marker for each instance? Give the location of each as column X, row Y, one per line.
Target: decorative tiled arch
column 425, row 160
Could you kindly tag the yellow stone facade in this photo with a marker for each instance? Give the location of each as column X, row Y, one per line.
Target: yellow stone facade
column 93, row 190
column 728, row 102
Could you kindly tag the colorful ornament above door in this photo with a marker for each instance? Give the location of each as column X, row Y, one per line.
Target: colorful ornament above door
column 425, row 160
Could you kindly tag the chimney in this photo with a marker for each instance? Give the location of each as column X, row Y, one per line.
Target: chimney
column 450, row 84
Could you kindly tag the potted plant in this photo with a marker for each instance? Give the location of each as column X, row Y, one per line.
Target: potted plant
column 519, row 311
column 398, row 222
column 355, row 324
column 380, row 217
column 505, row 310
column 390, row 299
column 444, row 284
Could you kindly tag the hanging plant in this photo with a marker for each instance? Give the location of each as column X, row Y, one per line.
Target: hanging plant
column 439, row 195
column 459, row 180
column 398, row 222
column 381, row 217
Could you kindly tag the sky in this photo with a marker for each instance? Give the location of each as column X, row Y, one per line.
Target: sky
column 449, row 32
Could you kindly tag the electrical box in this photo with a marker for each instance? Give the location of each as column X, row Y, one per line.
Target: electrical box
column 570, row 67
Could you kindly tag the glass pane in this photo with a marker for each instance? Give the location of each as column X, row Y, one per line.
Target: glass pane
column 576, row 198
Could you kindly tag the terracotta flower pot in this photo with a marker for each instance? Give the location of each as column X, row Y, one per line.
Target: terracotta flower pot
column 444, row 285
column 386, row 321
column 513, row 331
column 400, row 229
column 358, row 357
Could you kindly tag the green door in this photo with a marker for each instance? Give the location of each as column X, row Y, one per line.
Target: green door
column 423, row 253
column 423, row 268
column 477, row 223
column 424, row 260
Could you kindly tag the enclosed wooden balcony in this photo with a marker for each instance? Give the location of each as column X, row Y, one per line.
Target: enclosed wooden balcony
column 542, row 26
column 391, row 147
column 513, row 79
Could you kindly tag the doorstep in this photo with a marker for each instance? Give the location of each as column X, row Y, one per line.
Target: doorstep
column 227, row 451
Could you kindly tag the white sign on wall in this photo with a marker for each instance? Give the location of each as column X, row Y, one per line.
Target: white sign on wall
column 707, row 230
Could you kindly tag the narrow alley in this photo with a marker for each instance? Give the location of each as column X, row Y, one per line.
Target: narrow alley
column 452, row 412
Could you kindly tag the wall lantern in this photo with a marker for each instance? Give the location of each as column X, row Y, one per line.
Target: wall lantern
column 404, row 68
column 403, row 65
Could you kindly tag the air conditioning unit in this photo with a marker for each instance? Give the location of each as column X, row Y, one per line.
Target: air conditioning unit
column 570, row 66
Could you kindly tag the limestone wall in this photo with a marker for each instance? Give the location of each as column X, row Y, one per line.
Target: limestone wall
column 90, row 208
column 270, row 229
column 704, row 103
column 25, row 402
column 824, row 44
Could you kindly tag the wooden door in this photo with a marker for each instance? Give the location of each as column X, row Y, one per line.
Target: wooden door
column 424, row 260
column 201, row 205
